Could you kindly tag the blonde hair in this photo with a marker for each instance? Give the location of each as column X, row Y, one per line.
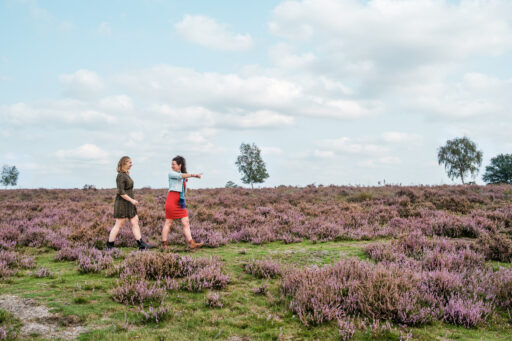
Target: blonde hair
column 121, row 164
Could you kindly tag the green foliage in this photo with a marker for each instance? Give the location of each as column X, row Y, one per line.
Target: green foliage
column 251, row 165
column 231, row 184
column 460, row 158
column 500, row 170
column 9, row 176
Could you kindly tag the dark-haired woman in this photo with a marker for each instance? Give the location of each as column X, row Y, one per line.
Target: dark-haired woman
column 175, row 203
column 125, row 206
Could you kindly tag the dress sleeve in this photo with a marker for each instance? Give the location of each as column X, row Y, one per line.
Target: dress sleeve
column 121, row 182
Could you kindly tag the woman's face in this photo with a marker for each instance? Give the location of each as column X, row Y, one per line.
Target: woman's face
column 128, row 164
column 175, row 167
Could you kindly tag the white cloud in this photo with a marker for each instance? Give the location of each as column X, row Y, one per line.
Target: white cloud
column 436, row 28
column 257, row 119
column 86, row 152
column 82, row 83
column 400, row 137
column 324, row 154
column 207, row 32
column 119, row 103
column 252, row 91
column 67, row 112
column 282, row 56
column 348, row 145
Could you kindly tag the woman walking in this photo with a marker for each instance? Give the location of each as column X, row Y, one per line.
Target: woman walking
column 125, row 206
column 175, row 203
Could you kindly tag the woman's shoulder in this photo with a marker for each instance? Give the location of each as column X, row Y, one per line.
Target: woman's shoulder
column 122, row 175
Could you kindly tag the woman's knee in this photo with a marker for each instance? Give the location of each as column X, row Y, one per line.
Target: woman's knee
column 135, row 220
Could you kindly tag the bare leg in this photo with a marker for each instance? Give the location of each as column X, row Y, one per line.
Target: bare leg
column 165, row 229
column 135, row 227
column 115, row 230
column 186, row 228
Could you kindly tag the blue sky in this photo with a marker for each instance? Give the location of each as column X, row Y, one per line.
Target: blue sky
column 333, row 91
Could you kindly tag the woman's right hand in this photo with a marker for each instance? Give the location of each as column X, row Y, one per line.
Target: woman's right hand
column 135, row 202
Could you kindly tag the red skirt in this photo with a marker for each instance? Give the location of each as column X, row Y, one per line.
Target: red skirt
column 172, row 206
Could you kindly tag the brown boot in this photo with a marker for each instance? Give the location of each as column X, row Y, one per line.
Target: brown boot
column 164, row 245
column 192, row 244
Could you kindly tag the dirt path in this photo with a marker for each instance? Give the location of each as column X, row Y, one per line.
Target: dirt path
column 37, row 319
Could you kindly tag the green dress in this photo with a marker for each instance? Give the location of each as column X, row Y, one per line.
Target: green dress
column 122, row 207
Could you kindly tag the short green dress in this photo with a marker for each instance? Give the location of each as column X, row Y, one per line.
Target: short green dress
column 122, row 207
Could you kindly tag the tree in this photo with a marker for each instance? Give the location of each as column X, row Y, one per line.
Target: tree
column 9, row 176
column 251, row 165
column 500, row 170
column 460, row 157
column 231, row 184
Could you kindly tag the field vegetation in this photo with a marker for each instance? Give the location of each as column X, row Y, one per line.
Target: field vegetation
column 285, row 263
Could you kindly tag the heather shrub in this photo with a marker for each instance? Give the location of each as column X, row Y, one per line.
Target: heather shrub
column 386, row 292
column 498, row 286
column 93, row 260
column 160, row 265
column 495, row 246
column 213, row 300
column 8, row 237
column 261, row 290
column 43, row 272
column 263, row 268
column 209, row 277
column 346, row 327
column 11, row 261
column 467, row 312
column 70, row 253
column 155, row 314
column 135, row 291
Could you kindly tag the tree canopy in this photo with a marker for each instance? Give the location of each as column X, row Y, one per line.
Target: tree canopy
column 9, row 176
column 460, row 158
column 251, row 165
column 500, row 170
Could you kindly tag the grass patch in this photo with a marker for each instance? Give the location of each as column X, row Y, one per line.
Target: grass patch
column 86, row 299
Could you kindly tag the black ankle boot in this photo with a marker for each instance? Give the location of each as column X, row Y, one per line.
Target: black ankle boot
column 143, row 245
column 110, row 245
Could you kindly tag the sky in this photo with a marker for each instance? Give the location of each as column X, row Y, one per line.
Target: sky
column 343, row 92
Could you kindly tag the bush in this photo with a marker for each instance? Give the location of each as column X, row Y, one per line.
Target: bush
column 263, row 268
column 155, row 314
column 135, row 291
column 93, row 260
column 213, row 300
column 209, row 277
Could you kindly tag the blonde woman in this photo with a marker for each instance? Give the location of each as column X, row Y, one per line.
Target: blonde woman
column 125, row 206
column 175, row 203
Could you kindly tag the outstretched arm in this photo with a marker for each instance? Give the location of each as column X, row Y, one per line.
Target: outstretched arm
column 190, row 175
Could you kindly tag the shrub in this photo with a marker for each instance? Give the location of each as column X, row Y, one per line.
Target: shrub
column 209, row 277
column 346, row 327
column 213, row 300
column 93, row 260
column 43, row 272
column 466, row 312
column 495, row 246
column 135, row 291
column 263, row 268
column 155, row 314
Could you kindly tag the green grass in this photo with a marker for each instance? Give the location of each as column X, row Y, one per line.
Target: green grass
column 85, row 299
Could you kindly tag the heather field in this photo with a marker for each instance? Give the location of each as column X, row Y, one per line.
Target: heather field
column 286, row 263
